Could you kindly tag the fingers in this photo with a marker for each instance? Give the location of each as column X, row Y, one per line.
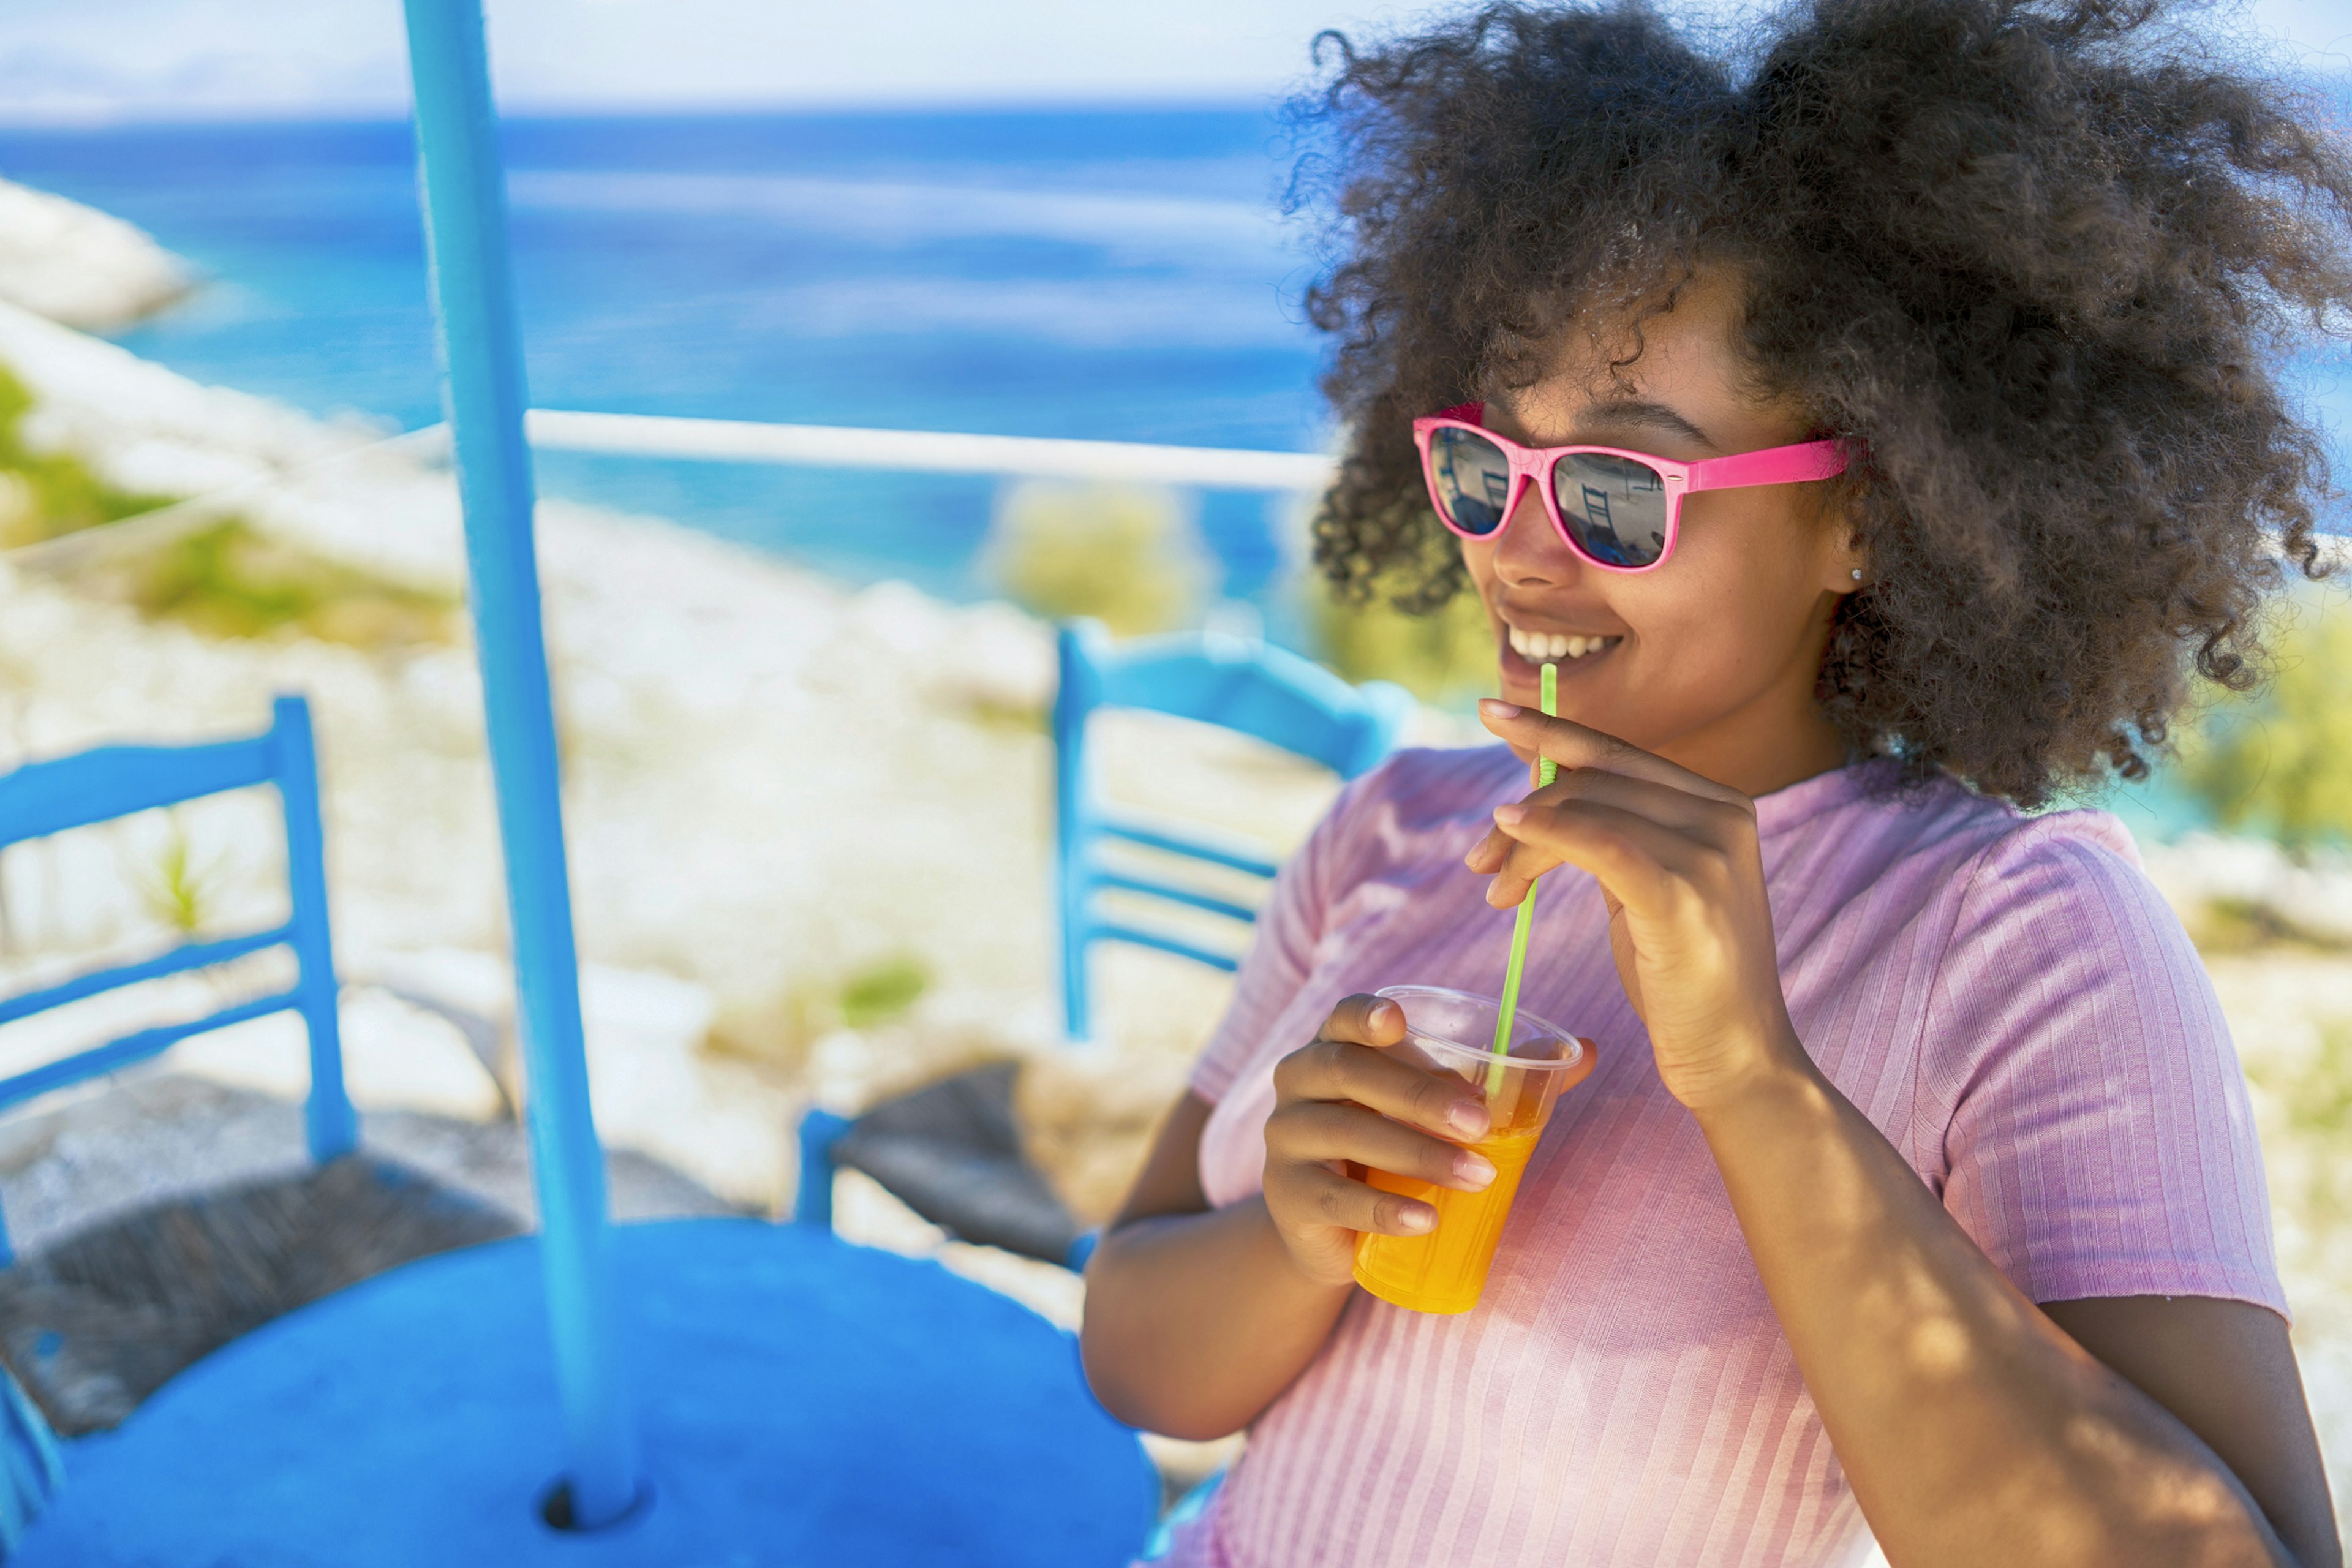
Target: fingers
column 1333, row 1200
column 1632, row 856
column 1573, row 745
column 1345, row 1105
column 1332, row 1070
column 1663, row 804
column 1323, row 1131
column 1365, row 1021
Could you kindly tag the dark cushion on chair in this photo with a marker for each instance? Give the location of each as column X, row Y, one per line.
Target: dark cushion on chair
column 951, row 1152
column 95, row 1322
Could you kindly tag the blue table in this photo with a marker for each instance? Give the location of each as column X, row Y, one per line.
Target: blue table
column 802, row 1402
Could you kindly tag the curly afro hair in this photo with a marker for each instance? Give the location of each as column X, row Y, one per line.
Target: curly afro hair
column 2037, row 260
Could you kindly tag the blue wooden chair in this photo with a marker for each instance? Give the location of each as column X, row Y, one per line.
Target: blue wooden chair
column 954, row 1169
column 46, row 797
column 1251, row 687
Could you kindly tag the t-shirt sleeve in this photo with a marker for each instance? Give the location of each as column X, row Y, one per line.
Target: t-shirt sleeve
column 2098, row 1139
column 1290, row 925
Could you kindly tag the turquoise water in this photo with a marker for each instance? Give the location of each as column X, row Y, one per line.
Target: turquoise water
column 1102, row 274
column 1110, row 275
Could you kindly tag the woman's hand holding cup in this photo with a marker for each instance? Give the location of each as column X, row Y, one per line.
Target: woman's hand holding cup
column 1345, row 1102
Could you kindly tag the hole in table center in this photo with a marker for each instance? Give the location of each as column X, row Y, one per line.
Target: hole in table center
column 555, row 1510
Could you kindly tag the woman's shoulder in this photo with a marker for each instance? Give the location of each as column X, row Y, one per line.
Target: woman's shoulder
column 1941, row 828
column 2029, row 899
column 2011, row 857
column 1935, row 870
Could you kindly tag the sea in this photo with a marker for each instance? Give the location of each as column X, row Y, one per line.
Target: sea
column 1109, row 274
column 1113, row 274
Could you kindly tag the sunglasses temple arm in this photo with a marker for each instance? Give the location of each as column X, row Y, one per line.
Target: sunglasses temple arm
column 1773, row 466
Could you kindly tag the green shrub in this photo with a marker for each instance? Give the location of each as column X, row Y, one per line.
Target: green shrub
column 44, row 495
column 2279, row 761
column 1129, row 556
column 230, row 579
column 1445, row 657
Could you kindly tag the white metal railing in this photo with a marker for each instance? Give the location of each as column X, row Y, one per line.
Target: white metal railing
column 925, row 451
column 746, row 441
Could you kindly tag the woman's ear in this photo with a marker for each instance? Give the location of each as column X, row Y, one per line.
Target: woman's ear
column 1847, row 567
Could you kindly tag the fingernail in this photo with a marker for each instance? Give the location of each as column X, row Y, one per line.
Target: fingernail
column 1474, row 1169
column 1495, row 708
column 1511, row 815
column 1414, row 1219
column 1468, row 1118
column 1383, row 1012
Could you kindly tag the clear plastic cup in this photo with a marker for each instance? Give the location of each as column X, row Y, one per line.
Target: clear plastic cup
column 1452, row 1034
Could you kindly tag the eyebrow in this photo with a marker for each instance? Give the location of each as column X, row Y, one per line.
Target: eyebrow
column 1642, row 411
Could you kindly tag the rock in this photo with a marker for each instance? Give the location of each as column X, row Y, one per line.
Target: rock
column 81, row 266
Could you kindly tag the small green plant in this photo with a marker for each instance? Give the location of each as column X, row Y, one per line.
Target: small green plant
column 1129, row 556
column 230, row 580
column 2279, row 761
column 883, row 991
column 45, row 495
column 1445, row 656
column 177, row 889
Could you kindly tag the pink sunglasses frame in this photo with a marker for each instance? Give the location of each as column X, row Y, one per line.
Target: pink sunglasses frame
column 1533, row 465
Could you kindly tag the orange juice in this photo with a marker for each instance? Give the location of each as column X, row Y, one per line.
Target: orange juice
column 1444, row 1269
column 1452, row 1035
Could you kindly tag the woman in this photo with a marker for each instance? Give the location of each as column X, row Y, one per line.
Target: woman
column 1915, row 1185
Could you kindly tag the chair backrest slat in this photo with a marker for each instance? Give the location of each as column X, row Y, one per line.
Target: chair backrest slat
column 1234, row 857
column 133, row 1049
column 42, row 798
column 1259, row 689
column 176, row 961
column 1192, row 897
column 1248, row 687
column 1136, row 936
column 53, row 796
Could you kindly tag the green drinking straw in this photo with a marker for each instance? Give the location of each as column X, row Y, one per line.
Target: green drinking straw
column 1544, row 772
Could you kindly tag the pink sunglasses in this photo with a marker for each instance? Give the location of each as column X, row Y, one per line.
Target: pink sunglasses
column 1618, row 510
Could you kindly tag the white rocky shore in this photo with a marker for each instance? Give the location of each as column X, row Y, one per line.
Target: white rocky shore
column 83, row 268
column 775, row 787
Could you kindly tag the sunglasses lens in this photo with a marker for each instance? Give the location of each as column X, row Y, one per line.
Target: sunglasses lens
column 1615, row 507
column 1472, row 478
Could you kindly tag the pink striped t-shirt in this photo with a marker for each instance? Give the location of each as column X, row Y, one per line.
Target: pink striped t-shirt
column 2007, row 998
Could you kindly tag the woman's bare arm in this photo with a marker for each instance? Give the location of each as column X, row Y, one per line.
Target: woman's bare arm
column 1196, row 1317
column 1973, row 1428
column 2226, row 1370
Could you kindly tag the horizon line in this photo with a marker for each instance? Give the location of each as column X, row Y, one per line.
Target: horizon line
column 389, row 111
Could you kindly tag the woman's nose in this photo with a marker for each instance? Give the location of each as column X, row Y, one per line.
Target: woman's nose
column 1529, row 550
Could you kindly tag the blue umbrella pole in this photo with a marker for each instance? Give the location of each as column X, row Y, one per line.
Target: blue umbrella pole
column 481, row 345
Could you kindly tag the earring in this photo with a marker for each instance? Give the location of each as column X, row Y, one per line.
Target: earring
column 1857, row 573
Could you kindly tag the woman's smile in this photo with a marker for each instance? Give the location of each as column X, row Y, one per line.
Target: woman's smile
column 1526, row 648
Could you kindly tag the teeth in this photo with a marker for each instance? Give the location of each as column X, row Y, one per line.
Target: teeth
column 1537, row 647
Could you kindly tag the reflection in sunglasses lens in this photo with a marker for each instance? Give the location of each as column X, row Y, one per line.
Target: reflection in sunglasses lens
column 1615, row 507
column 1472, row 478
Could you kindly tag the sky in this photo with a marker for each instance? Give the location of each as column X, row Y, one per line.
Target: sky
column 101, row 59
